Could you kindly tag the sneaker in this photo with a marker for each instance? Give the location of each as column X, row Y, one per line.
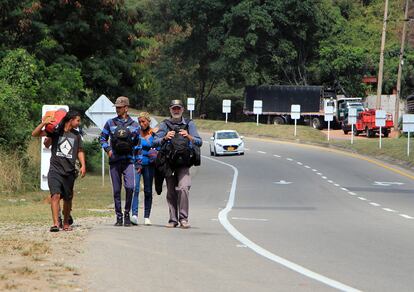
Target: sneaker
column 134, row 220
column 147, row 221
column 118, row 221
column 127, row 221
column 171, row 224
column 185, row 224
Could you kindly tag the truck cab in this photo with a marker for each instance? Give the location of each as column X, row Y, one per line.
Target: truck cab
column 344, row 104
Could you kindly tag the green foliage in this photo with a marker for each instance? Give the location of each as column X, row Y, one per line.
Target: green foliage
column 14, row 130
column 93, row 155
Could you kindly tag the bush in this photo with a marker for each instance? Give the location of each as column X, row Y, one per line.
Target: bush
column 93, row 155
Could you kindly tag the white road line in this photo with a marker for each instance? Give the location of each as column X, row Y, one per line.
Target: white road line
column 278, row 156
column 248, row 219
column 319, row 173
column 290, row 159
column 262, row 152
column 375, row 204
column 352, row 193
column 324, row 177
column 362, row 198
column 260, row 250
column 307, row 166
column 314, row 170
column 389, row 210
column 300, row 163
column 330, row 181
column 337, row 185
column 248, row 149
column 345, row 189
column 406, row 216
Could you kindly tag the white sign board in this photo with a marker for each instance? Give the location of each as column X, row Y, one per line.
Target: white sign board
column 226, row 106
column 380, row 116
column 46, row 153
column 100, row 111
column 190, row 103
column 295, row 111
column 329, row 113
column 257, row 107
column 408, row 123
column 352, row 116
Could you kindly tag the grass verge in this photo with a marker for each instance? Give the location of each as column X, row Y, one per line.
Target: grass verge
column 393, row 150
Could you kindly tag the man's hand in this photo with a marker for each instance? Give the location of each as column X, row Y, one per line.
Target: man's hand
column 139, row 170
column 169, row 135
column 185, row 134
column 48, row 120
column 109, row 153
column 82, row 171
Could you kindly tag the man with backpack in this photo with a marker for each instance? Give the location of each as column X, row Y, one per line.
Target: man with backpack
column 180, row 142
column 120, row 140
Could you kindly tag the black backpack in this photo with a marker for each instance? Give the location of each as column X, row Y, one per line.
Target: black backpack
column 121, row 140
column 179, row 152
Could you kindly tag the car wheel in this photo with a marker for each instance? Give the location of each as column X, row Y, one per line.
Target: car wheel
column 215, row 153
column 242, row 153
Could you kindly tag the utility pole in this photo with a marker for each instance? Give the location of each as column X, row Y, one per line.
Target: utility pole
column 381, row 64
column 400, row 65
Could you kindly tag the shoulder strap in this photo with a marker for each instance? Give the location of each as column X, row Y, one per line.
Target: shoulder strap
column 115, row 121
column 168, row 124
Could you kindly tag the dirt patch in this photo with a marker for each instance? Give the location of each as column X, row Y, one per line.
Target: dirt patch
column 32, row 258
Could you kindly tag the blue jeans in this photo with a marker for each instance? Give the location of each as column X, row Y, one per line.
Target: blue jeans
column 147, row 172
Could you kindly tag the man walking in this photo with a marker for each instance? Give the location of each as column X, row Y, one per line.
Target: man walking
column 120, row 140
column 178, row 131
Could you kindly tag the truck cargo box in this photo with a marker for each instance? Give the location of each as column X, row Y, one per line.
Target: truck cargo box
column 279, row 98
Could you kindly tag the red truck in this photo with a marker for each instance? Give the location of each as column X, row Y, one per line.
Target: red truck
column 366, row 123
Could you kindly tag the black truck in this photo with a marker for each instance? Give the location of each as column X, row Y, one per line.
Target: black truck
column 277, row 101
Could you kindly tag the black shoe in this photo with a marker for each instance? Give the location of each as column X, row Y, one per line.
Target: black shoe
column 127, row 221
column 118, row 222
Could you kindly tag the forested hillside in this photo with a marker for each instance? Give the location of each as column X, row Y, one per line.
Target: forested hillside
column 70, row 52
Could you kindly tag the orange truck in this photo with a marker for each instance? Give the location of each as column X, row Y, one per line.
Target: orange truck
column 366, row 123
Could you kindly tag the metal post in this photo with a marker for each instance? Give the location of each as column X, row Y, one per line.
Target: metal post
column 352, row 134
column 329, row 129
column 226, row 118
column 408, row 146
column 381, row 63
column 295, row 126
column 191, row 115
column 103, row 167
column 257, row 120
column 400, row 65
column 380, row 139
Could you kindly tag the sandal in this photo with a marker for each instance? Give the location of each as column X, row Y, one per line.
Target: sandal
column 54, row 229
column 67, row 228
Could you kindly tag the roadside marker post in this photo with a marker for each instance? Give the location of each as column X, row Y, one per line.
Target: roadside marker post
column 191, row 106
column 380, row 116
column 352, row 119
column 257, row 109
column 46, row 153
column 99, row 112
column 226, row 107
column 329, row 112
column 295, row 114
column 408, row 127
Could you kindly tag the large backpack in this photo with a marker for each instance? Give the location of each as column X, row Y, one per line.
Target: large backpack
column 179, row 152
column 121, row 139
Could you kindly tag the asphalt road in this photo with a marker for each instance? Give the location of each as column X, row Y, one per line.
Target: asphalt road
column 283, row 217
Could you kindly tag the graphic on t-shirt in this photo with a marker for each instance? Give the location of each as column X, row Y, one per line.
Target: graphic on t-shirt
column 65, row 147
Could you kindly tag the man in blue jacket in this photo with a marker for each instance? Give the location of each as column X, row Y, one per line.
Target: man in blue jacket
column 120, row 140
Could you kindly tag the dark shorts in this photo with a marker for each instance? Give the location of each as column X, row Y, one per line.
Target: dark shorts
column 61, row 184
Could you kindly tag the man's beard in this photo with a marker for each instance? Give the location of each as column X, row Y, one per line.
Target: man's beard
column 176, row 116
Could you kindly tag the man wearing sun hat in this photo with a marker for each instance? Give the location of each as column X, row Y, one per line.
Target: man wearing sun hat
column 120, row 140
column 179, row 183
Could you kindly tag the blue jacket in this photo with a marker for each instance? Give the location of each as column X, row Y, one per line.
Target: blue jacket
column 107, row 135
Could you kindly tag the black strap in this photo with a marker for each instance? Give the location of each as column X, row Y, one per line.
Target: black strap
column 171, row 126
column 118, row 123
